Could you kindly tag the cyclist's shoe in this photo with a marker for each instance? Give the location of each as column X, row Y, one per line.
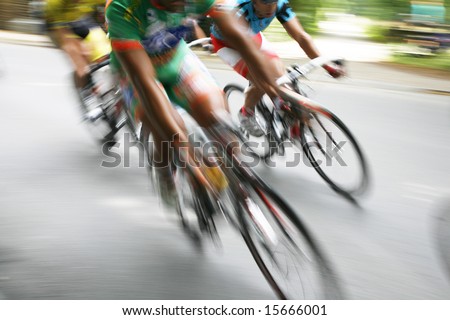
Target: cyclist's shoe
column 249, row 123
column 94, row 114
column 93, row 110
column 165, row 186
column 216, row 178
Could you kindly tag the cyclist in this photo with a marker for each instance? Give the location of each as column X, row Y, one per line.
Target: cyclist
column 146, row 49
column 257, row 16
column 73, row 28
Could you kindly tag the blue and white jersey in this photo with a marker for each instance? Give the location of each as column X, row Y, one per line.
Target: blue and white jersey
column 245, row 9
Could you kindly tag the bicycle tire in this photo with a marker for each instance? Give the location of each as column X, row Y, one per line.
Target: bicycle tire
column 148, row 145
column 317, row 118
column 189, row 207
column 271, row 211
column 102, row 125
column 268, row 142
column 269, row 227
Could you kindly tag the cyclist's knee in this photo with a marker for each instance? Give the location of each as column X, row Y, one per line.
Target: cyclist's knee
column 279, row 68
column 206, row 105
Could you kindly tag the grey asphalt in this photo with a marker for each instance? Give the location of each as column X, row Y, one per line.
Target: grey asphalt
column 71, row 229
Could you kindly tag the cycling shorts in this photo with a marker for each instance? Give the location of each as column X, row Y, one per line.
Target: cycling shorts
column 234, row 59
column 184, row 78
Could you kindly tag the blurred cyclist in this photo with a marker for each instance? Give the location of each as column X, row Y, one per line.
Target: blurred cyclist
column 73, row 28
column 257, row 15
column 147, row 49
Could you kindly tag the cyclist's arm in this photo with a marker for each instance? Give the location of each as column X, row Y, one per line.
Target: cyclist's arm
column 234, row 33
column 288, row 19
column 198, row 32
column 141, row 73
column 158, row 109
column 125, row 35
column 304, row 40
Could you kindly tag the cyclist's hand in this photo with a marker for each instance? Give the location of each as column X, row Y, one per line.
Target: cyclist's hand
column 334, row 70
column 263, row 80
column 208, row 47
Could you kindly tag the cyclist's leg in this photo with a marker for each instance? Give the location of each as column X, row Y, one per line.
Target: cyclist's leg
column 189, row 84
column 131, row 99
column 196, row 91
column 160, row 157
column 233, row 58
column 72, row 45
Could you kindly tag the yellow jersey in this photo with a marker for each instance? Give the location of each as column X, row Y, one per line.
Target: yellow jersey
column 60, row 12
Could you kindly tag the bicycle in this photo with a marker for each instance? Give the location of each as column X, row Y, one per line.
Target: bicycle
column 284, row 250
column 101, row 104
column 306, row 124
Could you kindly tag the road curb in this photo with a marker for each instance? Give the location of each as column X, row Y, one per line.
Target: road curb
column 17, row 38
column 214, row 61
column 25, row 39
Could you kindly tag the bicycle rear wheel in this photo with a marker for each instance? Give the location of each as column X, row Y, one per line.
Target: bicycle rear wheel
column 284, row 249
column 260, row 147
column 334, row 153
column 99, row 105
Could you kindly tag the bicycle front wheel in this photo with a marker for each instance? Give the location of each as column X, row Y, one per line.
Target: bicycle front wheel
column 283, row 248
column 260, row 147
column 333, row 152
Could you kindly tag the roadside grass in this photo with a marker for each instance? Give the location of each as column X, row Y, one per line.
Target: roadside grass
column 439, row 61
column 276, row 33
column 414, row 57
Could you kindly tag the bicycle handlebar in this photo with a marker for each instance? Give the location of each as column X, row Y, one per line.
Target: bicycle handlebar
column 97, row 66
column 296, row 71
column 201, row 41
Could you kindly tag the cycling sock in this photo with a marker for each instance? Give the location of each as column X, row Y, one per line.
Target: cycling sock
column 247, row 113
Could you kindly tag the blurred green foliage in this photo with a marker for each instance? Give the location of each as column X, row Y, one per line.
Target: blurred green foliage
column 387, row 10
column 380, row 9
column 447, row 10
column 379, row 33
column 306, row 11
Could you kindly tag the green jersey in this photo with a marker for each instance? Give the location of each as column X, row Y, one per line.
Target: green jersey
column 157, row 29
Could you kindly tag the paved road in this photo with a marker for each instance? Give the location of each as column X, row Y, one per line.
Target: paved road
column 70, row 229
